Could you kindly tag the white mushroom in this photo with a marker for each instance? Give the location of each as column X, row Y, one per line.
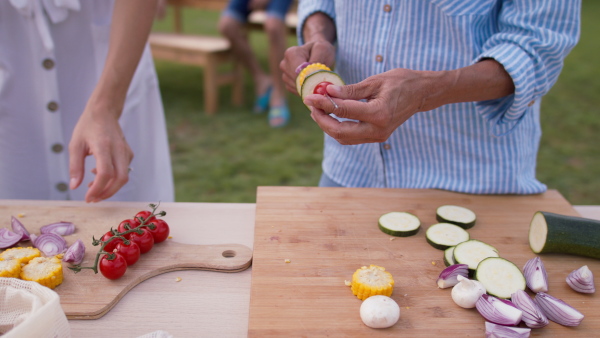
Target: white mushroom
column 379, row 312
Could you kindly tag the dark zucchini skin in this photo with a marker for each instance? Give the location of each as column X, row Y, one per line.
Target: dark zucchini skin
column 399, row 233
column 460, row 224
column 571, row 235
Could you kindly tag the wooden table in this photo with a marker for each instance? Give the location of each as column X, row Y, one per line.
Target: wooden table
column 202, row 304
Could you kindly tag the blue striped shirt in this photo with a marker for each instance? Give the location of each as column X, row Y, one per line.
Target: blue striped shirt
column 487, row 147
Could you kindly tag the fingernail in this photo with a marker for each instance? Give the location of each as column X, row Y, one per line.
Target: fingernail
column 73, row 183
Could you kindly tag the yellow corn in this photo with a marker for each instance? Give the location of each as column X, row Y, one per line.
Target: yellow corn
column 23, row 255
column 47, row 271
column 306, row 72
column 371, row 281
column 10, row 268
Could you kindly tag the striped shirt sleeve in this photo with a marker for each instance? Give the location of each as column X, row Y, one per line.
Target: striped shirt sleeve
column 533, row 39
column 307, row 8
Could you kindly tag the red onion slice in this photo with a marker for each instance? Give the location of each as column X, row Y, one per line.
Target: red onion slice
column 449, row 276
column 498, row 311
column 8, row 238
column 19, row 228
column 50, row 244
column 75, row 253
column 582, row 280
column 533, row 316
column 557, row 310
column 499, row 331
column 59, row 228
column 301, row 67
column 536, row 276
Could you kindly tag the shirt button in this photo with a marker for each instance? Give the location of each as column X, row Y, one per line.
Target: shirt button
column 62, row 186
column 379, row 58
column 57, row 147
column 387, row 146
column 52, row 106
column 48, row 63
column 387, row 8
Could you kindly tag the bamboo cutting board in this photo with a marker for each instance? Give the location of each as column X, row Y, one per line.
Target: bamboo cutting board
column 86, row 295
column 328, row 233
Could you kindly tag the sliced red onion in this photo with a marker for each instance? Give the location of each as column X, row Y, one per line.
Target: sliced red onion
column 301, row 67
column 60, row 228
column 533, row 316
column 582, row 280
column 8, row 238
column 499, row 331
column 535, row 275
column 557, row 310
column 498, row 311
column 75, row 253
column 50, row 244
column 19, row 228
column 449, row 276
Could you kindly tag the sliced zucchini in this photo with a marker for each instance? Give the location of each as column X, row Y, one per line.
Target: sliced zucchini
column 453, row 214
column 400, row 224
column 312, row 80
column 554, row 233
column 500, row 277
column 444, row 235
column 449, row 256
column 472, row 252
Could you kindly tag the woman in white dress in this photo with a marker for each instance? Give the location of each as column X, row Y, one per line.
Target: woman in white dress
column 65, row 95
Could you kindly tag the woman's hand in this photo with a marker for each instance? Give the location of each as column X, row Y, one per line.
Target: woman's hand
column 321, row 51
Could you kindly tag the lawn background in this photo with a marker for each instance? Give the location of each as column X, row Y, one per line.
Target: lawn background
column 223, row 158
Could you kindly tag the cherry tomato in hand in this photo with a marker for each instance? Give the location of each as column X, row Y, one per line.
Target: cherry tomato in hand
column 113, row 269
column 144, row 215
column 131, row 223
column 321, row 88
column 131, row 252
column 112, row 244
column 160, row 231
column 144, row 240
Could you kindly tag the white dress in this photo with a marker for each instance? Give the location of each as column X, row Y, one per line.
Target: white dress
column 51, row 55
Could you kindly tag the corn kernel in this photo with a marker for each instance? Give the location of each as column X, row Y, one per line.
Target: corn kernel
column 47, row 271
column 371, row 281
column 21, row 254
column 10, row 268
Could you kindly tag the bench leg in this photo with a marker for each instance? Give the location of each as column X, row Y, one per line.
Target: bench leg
column 211, row 86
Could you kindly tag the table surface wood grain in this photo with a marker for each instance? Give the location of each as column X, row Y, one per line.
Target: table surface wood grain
column 203, row 303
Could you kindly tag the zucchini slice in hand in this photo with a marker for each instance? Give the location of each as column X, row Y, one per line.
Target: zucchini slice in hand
column 444, row 235
column 500, row 277
column 400, row 224
column 554, row 233
column 311, row 81
column 453, row 214
column 472, row 252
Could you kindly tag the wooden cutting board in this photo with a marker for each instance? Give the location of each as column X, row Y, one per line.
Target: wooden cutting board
column 86, row 295
column 328, row 233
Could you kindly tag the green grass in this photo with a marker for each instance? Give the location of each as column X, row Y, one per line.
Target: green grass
column 224, row 158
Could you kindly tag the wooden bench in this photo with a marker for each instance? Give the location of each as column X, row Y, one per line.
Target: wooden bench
column 209, row 52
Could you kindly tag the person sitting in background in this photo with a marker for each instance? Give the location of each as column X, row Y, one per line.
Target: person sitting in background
column 80, row 74
column 270, row 89
column 441, row 94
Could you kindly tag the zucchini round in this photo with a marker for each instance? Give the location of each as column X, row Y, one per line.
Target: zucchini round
column 312, row 80
column 554, row 233
column 453, row 214
column 449, row 256
column 400, row 224
column 472, row 252
column 444, row 235
column 500, row 277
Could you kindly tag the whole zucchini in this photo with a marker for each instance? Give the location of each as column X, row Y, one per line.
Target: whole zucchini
column 554, row 233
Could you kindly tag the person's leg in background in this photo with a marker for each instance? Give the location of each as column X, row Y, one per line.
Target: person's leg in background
column 232, row 25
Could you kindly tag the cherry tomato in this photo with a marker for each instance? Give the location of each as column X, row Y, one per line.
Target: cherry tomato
column 130, row 252
column 113, row 269
column 112, row 244
column 321, row 88
column 145, row 241
column 132, row 223
column 161, row 230
column 145, row 216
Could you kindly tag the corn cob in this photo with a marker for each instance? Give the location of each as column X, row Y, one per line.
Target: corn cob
column 10, row 268
column 23, row 255
column 47, row 271
column 371, row 281
column 314, row 67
